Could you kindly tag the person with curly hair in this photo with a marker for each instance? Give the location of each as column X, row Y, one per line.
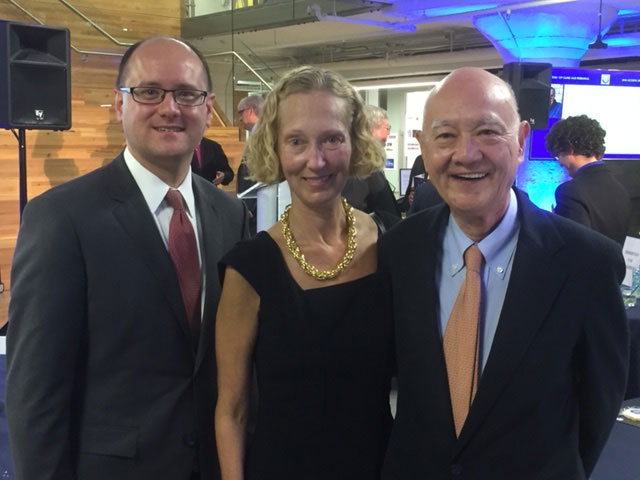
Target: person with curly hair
column 594, row 197
column 302, row 303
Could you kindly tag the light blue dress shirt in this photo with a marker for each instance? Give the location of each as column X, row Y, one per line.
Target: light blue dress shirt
column 498, row 249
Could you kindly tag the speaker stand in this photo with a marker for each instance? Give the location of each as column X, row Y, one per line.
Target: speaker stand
column 22, row 165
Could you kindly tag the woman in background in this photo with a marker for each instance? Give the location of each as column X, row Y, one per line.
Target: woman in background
column 302, row 302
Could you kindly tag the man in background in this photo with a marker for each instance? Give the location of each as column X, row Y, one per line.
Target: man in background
column 555, row 107
column 373, row 194
column 425, row 196
column 249, row 111
column 210, row 162
column 115, row 285
column 513, row 361
column 593, row 197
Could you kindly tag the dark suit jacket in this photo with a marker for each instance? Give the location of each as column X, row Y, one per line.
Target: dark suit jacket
column 556, row 372
column 416, row 169
column 425, row 196
column 597, row 200
column 373, row 195
column 103, row 379
column 213, row 160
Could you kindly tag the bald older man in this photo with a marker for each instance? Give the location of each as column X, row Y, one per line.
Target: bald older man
column 531, row 387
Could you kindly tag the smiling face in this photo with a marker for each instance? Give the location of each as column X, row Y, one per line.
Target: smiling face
column 314, row 146
column 162, row 137
column 472, row 142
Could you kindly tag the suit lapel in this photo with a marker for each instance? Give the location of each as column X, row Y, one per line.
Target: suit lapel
column 132, row 213
column 209, row 229
column 439, row 368
column 423, row 333
column 536, row 279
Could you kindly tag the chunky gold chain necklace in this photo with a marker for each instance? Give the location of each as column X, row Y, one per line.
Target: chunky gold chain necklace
column 299, row 256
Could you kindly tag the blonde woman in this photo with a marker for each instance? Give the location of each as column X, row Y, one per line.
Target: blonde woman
column 302, row 301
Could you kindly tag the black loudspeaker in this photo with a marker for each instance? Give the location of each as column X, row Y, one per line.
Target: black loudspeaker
column 531, row 82
column 35, row 80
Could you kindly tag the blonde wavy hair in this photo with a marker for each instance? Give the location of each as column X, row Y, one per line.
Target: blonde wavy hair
column 367, row 154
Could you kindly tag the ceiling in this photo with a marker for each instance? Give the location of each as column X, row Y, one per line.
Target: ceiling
column 367, row 40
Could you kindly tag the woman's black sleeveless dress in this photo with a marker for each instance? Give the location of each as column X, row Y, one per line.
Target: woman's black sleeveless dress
column 323, row 359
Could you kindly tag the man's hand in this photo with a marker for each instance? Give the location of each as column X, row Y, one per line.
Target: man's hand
column 219, row 178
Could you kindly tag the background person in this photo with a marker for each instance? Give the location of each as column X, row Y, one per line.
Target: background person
column 249, row 111
column 303, row 301
column 594, row 197
column 110, row 363
column 373, row 194
column 210, row 162
column 417, row 170
column 513, row 363
column 555, row 107
column 425, row 196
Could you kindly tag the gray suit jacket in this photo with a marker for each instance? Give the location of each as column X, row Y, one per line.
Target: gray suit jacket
column 103, row 380
column 556, row 372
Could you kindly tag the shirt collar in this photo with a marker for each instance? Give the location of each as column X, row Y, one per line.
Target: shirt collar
column 497, row 248
column 154, row 189
column 587, row 165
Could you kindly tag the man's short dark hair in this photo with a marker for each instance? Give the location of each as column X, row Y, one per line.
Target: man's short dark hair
column 122, row 68
column 579, row 135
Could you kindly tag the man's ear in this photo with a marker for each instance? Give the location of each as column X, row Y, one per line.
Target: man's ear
column 210, row 102
column 117, row 103
column 523, row 133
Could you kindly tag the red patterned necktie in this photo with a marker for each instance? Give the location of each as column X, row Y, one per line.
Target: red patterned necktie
column 460, row 340
column 184, row 254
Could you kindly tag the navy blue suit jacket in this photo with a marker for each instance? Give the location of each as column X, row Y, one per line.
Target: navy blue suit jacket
column 556, row 372
column 596, row 199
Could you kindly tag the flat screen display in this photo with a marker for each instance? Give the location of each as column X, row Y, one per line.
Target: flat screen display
column 610, row 96
column 405, row 175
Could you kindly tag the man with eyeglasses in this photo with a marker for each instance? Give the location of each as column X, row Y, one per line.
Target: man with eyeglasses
column 249, row 110
column 115, row 285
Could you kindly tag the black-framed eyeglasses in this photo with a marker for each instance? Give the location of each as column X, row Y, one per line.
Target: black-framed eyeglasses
column 154, row 95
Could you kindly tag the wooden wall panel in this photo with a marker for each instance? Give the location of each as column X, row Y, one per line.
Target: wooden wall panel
column 95, row 136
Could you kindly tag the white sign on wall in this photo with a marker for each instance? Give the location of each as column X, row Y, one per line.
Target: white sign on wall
column 413, row 124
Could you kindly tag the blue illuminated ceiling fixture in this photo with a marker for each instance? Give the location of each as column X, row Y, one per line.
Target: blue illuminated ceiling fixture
column 455, row 9
column 560, row 35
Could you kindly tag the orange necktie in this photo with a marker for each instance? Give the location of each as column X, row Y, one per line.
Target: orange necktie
column 461, row 339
